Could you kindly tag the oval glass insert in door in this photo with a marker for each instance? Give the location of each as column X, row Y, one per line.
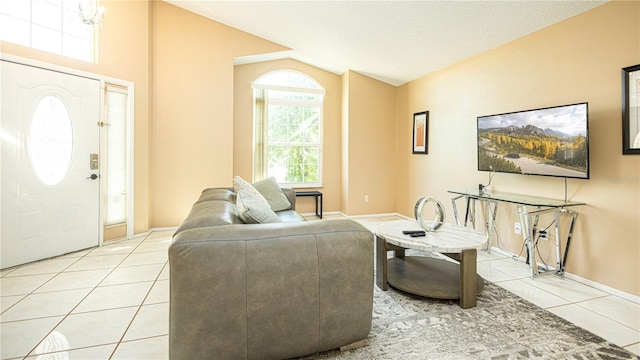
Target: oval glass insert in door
column 50, row 140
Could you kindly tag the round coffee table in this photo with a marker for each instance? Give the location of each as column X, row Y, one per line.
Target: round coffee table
column 429, row 276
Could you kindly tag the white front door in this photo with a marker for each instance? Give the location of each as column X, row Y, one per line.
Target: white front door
column 50, row 176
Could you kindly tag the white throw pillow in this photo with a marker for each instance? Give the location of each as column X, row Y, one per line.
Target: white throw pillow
column 240, row 183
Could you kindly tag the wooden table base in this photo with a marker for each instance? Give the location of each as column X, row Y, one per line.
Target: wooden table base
column 429, row 277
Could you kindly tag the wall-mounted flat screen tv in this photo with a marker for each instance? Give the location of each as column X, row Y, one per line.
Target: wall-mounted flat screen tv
column 553, row 141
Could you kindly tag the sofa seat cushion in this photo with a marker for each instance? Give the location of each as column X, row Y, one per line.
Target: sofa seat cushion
column 290, row 216
column 210, row 213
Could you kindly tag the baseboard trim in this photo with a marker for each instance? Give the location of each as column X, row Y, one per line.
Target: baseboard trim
column 324, row 214
column 576, row 278
column 607, row 289
column 169, row 228
column 364, row 216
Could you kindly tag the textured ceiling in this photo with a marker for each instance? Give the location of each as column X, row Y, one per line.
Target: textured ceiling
column 392, row 41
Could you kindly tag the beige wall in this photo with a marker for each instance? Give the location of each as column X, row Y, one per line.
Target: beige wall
column 123, row 54
column 369, row 151
column 576, row 60
column 245, row 75
column 192, row 136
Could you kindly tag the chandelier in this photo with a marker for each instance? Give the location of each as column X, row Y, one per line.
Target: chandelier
column 93, row 15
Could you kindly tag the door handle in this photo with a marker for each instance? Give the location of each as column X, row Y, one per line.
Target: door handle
column 93, row 177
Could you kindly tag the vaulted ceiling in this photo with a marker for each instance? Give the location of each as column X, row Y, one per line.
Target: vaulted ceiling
column 392, row 41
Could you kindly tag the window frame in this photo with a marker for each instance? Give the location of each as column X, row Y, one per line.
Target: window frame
column 318, row 104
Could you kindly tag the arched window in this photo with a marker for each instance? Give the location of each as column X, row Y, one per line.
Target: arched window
column 287, row 135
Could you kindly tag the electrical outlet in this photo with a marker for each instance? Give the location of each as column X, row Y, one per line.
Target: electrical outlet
column 544, row 235
column 517, row 228
column 366, row 198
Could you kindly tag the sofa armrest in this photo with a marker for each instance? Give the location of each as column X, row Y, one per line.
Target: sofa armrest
column 291, row 196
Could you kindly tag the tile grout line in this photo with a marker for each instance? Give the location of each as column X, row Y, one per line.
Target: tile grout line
column 32, row 292
column 57, row 324
column 76, row 306
column 138, row 311
column 578, row 303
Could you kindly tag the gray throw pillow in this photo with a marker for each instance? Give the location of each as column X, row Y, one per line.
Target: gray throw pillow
column 271, row 191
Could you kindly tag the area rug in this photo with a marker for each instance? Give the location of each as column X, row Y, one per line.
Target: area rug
column 502, row 326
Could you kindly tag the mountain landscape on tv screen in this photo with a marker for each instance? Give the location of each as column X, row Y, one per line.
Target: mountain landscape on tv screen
column 528, row 149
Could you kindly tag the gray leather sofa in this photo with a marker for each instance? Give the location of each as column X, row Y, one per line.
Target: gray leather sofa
column 266, row 291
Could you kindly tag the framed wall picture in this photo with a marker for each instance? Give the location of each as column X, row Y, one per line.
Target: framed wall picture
column 421, row 133
column 631, row 110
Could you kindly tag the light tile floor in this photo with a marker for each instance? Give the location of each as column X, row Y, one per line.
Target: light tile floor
column 112, row 302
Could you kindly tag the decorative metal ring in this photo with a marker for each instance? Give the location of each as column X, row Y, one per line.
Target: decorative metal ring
column 438, row 222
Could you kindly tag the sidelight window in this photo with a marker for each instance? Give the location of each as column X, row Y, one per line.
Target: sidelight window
column 116, row 104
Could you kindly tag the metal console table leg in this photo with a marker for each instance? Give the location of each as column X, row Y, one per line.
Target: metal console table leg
column 491, row 210
column 530, row 224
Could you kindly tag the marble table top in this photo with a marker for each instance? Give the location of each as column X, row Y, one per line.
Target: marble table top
column 449, row 239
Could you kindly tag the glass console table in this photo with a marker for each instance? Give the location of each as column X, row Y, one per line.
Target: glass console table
column 528, row 219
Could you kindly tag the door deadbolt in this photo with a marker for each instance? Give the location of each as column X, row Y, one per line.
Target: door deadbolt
column 93, row 162
column 93, row 177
